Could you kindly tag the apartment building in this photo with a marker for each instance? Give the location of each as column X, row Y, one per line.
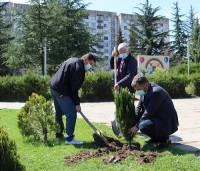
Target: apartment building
column 107, row 25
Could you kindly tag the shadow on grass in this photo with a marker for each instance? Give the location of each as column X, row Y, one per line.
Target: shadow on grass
column 175, row 148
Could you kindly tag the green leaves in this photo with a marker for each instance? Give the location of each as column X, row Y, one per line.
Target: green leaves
column 36, row 119
column 145, row 37
column 125, row 111
column 9, row 159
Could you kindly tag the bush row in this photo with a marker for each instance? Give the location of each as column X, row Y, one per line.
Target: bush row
column 21, row 87
column 97, row 85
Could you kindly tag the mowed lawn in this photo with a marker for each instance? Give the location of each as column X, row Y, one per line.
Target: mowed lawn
column 40, row 157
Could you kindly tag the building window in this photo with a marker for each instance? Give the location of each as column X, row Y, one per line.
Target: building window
column 105, row 50
column 105, row 44
column 105, row 38
column 125, row 28
column 93, row 24
column 105, row 18
column 93, row 17
column 105, row 25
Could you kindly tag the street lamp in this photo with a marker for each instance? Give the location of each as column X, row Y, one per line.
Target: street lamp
column 188, row 55
column 45, row 56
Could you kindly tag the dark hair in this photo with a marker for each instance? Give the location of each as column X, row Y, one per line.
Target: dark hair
column 90, row 57
column 139, row 79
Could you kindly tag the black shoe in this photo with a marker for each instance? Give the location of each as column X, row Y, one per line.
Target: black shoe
column 163, row 144
column 59, row 135
column 151, row 141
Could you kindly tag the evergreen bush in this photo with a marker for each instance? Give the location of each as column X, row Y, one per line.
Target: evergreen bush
column 9, row 159
column 125, row 112
column 36, row 119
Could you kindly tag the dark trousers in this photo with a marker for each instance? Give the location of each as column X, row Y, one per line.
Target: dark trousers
column 147, row 127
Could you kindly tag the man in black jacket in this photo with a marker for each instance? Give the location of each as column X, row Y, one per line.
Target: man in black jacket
column 156, row 113
column 64, row 87
column 126, row 67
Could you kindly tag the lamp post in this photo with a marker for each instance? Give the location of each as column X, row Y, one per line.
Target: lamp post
column 45, row 57
column 44, row 49
column 188, row 55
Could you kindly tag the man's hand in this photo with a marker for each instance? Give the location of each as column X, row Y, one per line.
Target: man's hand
column 114, row 53
column 132, row 131
column 78, row 108
column 116, row 86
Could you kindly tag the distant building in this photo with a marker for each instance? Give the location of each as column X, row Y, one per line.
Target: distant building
column 107, row 24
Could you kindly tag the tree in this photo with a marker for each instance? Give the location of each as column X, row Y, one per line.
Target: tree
column 179, row 44
column 191, row 20
column 120, row 38
column 125, row 112
column 5, row 38
column 145, row 38
column 60, row 24
column 195, row 42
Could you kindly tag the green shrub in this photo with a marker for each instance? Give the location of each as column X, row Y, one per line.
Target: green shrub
column 11, row 87
column 33, row 83
column 195, row 81
column 183, row 68
column 97, row 86
column 21, row 87
column 9, row 159
column 125, row 111
column 174, row 84
column 36, row 119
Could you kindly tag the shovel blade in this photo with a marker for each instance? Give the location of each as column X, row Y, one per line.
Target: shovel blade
column 115, row 128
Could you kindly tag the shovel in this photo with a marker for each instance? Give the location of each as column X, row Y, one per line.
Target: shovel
column 99, row 133
column 114, row 124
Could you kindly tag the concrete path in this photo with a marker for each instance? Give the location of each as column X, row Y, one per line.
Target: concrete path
column 188, row 110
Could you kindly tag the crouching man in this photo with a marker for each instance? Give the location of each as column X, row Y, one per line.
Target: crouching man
column 157, row 117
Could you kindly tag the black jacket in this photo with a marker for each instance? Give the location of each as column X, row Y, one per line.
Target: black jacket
column 157, row 106
column 129, row 70
column 69, row 78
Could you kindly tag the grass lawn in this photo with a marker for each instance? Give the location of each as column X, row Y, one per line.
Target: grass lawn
column 38, row 157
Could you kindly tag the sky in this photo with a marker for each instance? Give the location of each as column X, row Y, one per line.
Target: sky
column 128, row 6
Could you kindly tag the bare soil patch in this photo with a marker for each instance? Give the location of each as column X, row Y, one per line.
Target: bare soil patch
column 113, row 154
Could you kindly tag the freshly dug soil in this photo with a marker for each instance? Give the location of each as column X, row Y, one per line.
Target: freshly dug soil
column 117, row 151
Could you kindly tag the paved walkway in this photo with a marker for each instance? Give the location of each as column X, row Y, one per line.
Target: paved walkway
column 188, row 110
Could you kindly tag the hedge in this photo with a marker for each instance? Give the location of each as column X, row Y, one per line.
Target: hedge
column 97, row 86
column 21, row 87
column 174, row 84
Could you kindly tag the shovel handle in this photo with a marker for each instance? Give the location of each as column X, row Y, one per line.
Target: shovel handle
column 115, row 66
column 89, row 123
column 95, row 129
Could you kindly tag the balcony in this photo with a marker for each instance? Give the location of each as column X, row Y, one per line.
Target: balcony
column 99, row 20
column 99, row 27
